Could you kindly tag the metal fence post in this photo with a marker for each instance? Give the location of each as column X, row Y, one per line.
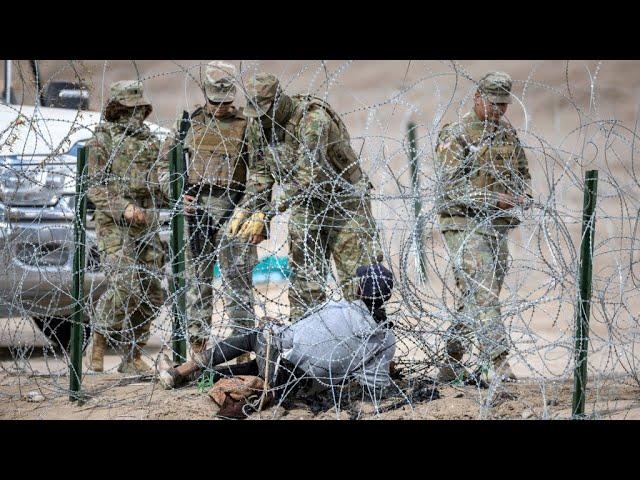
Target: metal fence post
column 584, row 298
column 417, row 203
column 79, row 238
column 179, row 346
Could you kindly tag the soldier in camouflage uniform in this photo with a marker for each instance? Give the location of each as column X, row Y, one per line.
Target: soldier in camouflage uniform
column 484, row 179
column 300, row 143
column 215, row 181
column 124, row 186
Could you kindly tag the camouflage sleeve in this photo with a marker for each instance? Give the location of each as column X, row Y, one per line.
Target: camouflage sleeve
column 449, row 157
column 522, row 164
column 312, row 168
column 260, row 181
column 454, row 170
column 105, row 194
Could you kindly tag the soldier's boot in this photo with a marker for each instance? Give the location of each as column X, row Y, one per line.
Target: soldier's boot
column 198, row 347
column 132, row 363
column 501, row 370
column 98, row 349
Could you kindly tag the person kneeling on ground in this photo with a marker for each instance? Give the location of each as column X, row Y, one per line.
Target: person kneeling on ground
column 335, row 343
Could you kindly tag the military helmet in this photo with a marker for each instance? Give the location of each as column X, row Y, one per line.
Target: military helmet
column 262, row 89
column 129, row 93
column 496, row 87
column 219, row 82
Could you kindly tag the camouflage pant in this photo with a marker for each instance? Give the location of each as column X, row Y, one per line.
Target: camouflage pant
column 316, row 234
column 480, row 263
column 133, row 269
column 237, row 260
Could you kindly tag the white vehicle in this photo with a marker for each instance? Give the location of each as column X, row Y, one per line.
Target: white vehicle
column 38, row 149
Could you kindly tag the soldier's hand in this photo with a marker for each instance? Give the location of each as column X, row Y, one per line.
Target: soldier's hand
column 238, row 217
column 135, row 214
column 189, row 204
column 253, row 229
column 130, row 212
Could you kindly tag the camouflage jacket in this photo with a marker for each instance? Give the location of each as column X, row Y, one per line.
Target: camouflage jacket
column 215, row 150
column 309, row 157
column 473, row 165
column 123, row 168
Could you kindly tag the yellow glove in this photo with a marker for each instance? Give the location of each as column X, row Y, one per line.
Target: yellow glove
column 253, row 227
column 238, row 217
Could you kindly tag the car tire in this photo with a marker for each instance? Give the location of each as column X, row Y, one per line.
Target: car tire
column 58, row 332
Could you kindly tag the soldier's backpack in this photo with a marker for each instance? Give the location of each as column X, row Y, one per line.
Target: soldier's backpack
column 340, row 153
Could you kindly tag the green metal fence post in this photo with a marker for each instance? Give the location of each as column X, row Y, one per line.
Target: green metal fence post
column 584, row 299
column 179, row 345
column 417, row 203
column 79, row 237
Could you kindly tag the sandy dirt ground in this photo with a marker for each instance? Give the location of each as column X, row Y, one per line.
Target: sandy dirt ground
column 42, row 376
column 555, row 115
column 29, row 368
column 112, row 396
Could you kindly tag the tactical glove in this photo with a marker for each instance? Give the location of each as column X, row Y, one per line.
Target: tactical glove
column 253, row 227
column 237, row 219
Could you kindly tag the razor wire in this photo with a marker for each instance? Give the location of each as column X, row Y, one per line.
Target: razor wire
column 563, row 124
